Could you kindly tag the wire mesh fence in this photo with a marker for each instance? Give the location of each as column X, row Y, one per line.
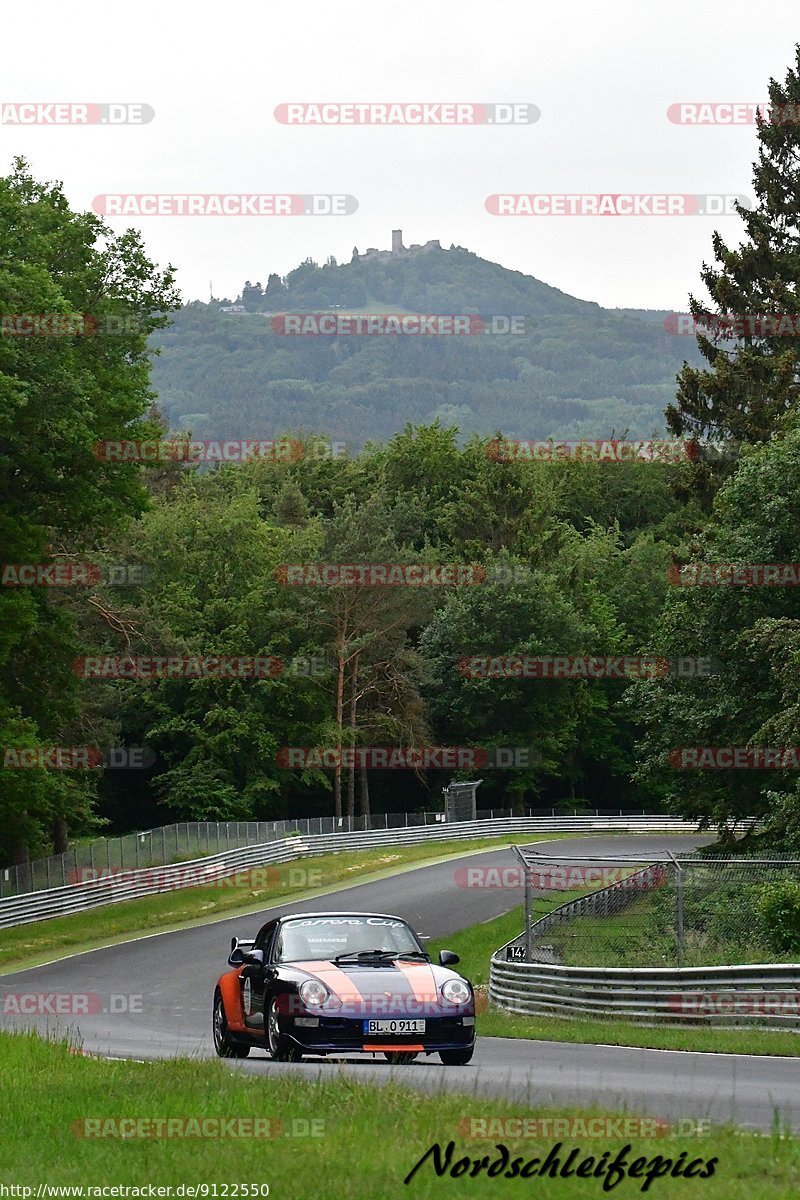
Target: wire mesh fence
column 192, row 839
column 702, row 909
column 177, row 843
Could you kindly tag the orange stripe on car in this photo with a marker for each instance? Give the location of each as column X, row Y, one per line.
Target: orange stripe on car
column 334, row 978
column 385, row 1046
column 422, row 981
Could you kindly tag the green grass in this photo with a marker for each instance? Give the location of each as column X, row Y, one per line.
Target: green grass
column 367, row 1138
column 476, row 946
column 37, row 942
column 640, row 936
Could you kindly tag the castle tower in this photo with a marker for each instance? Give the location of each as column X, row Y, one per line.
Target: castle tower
column 397, row 241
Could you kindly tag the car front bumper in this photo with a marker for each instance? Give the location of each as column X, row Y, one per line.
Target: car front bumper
column 333, row 1034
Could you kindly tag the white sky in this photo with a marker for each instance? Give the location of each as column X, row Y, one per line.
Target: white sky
column 603, row 76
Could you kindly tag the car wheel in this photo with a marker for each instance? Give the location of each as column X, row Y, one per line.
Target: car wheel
column 281, row 1049
column 457, row 1058
column 400, row 1056
column 223, row 1043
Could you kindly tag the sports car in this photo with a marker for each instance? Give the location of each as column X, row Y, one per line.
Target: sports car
column 335, row 983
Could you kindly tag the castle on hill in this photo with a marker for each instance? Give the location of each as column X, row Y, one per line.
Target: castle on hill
column 398, row 250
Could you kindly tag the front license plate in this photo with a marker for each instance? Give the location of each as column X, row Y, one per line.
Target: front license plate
column 400, row 1026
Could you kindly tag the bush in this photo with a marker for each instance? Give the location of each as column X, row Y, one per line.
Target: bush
column 777, row 907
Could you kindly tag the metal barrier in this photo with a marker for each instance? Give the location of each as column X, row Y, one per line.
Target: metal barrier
column 116, row 885
column 756, row 994
column 767, row 995
column 191, row 839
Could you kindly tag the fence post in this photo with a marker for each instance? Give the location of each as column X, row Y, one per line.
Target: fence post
column 527, row 902
column 678, row 907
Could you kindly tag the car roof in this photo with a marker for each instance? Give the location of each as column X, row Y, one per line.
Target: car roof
column 343, row 913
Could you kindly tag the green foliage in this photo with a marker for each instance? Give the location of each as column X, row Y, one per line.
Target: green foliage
column 58, row 396
column 777, row 907
column 577, row 370
column 750, row 384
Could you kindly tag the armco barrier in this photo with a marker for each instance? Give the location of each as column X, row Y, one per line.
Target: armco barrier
column 759, row 994
column 130, row 885
column 767, row 995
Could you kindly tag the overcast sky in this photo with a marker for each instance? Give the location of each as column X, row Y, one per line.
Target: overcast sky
column 603, row 77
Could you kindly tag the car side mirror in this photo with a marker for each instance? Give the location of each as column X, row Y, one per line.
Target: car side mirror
column 448, row 958
column 254, row 956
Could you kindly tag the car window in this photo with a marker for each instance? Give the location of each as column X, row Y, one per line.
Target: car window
column 323, row 938
column 264, row 937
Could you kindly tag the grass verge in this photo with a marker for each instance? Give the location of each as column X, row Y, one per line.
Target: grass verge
column 35, row 943
column 476, row 946
column 366, row 1141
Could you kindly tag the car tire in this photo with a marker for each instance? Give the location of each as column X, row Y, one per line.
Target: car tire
column 223, row 1043
column 279, row 1047
column 457, row 1058
column 400, row 1056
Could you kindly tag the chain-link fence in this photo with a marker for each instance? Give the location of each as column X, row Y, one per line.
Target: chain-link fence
column 701, row 909
column 180, row 842
column 192, row 839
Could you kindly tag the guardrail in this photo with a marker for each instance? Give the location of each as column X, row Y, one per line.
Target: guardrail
column 115, row 886
column 191, row 839
column 767, row 995
column 755, row 994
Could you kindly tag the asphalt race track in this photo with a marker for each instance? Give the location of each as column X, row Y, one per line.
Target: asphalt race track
column 174, row 974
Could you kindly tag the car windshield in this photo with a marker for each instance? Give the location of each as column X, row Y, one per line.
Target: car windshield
column 309, row 939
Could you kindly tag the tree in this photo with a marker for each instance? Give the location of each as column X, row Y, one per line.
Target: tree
column 751, row 383
column 215, row 590
column 275, row 294
column 364, row 625
column 81, row 379
column 754, row 632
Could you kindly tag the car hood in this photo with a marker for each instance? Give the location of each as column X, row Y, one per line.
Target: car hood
column 393, row 986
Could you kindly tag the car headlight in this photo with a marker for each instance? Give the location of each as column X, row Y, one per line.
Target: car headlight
column 456, row 991
column 313, row 993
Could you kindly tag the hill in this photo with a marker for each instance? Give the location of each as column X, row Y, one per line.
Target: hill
column 577, row 370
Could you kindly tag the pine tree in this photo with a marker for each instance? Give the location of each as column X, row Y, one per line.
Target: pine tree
column 752, row 381
column 291, row 506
